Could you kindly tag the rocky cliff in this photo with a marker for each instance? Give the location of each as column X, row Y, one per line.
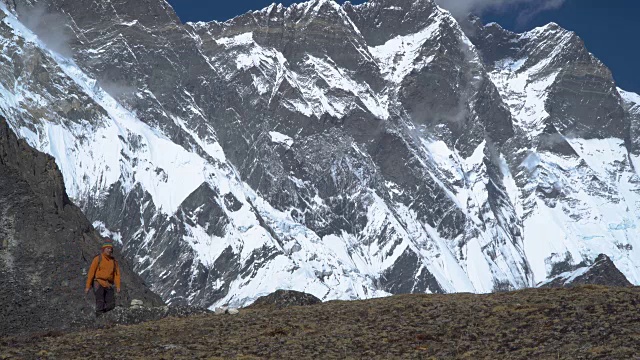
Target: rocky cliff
column 46, row 246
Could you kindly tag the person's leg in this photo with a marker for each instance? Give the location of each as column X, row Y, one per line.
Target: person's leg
column 99, row 292
column 109, row 299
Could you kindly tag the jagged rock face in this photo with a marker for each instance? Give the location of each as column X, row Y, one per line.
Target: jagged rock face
column 559, row 56
column 347, row 151
column 573, row 134
column 631, row 103
column 602, row 272
column 46, row 246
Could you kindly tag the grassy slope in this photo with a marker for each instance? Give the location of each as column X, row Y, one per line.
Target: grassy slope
column 584, row 322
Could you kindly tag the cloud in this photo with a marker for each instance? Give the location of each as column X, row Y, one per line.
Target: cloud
column 531, row 162
column 51, row 28
column 525, row 16
column 528, row 8
column 117, row 89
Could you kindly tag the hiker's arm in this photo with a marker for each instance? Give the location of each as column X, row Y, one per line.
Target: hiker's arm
column 116, row 277
column 91, row 274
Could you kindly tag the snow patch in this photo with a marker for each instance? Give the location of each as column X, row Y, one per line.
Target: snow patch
column 279, row 138
column 399, row 56
column 238, row 40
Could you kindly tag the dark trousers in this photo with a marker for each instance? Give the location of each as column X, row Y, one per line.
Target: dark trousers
column 105, row 298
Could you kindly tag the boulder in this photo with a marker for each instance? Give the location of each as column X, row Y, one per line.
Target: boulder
column 233, row 311
column 225, row 310
column 220, row 310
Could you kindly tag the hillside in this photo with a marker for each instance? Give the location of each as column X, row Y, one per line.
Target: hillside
column 584, row 322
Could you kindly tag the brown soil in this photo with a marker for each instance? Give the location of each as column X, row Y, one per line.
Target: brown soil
column 587, row 322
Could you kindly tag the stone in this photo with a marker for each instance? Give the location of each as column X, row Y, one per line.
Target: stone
column 220, row 310
column 233, row 311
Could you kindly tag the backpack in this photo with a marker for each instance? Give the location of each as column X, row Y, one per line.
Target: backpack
column 115, row 267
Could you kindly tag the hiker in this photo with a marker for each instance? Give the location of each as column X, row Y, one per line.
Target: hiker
column 104, row 273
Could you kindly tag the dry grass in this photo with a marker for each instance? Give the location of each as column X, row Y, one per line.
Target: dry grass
column 589, row 322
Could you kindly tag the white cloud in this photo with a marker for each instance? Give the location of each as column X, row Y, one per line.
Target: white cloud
column 528, row 8
column 51, row 27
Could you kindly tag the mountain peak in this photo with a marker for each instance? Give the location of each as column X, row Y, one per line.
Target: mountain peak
column 602, row 271
column 551, row 29
column 382, row 20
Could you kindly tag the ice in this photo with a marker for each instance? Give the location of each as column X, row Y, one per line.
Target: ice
column 279, row 138
column 545, row 235
column 597, row 213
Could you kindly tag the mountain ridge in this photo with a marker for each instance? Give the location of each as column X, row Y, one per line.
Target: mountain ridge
column 239, row 155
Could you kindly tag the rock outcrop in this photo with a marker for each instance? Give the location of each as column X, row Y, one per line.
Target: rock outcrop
column 46, row 245
column 285, row 298
column 602, row 272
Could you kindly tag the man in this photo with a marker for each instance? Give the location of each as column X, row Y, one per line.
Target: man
column 104, row 273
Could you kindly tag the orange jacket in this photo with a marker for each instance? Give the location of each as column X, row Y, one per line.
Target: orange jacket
column 106, row 275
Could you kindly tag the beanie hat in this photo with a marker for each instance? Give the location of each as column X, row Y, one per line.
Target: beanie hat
column 107, row 243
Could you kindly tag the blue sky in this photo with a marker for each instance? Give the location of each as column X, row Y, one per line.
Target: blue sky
column 609, row 28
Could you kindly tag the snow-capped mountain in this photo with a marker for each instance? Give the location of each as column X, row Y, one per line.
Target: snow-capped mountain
column 601, row 272
column 345, row 151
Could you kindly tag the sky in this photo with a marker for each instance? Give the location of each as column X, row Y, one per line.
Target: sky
column 609, row 28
